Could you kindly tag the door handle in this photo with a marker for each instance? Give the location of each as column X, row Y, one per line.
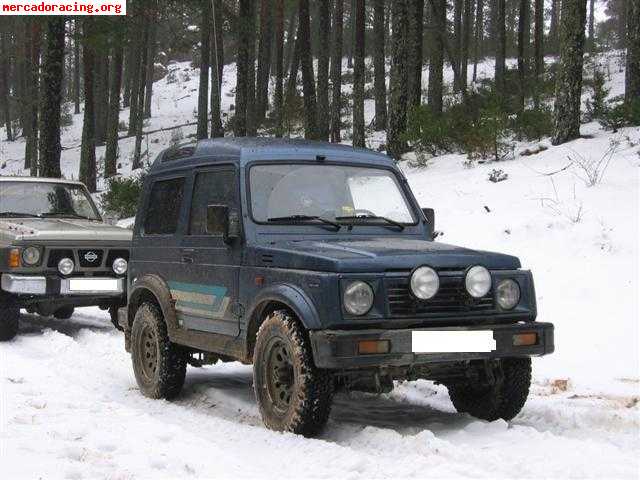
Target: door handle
column 187, row 259
column 187, row 255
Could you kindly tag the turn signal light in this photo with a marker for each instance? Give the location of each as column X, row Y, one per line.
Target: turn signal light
column 14, row 258
column 373, row 347
column 525, row 339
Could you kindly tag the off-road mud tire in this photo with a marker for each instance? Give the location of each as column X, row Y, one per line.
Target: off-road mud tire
column 162, row 377
column 312, row 388
column 113, row 315
column 503, row 400
column 64, row 313
column 9, row 321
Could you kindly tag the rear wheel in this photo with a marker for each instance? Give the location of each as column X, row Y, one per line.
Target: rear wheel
column 293, row 395
column 503, row 399
column 159, row 365
column 9, row 320
column 64, row 313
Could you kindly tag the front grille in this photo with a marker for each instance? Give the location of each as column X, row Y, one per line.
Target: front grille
column 452, row 297
column 90, row 258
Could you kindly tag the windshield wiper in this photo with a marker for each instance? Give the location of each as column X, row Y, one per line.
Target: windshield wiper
column 69, row 215
column 305, row 218
column 389, row 222
column 18, row 214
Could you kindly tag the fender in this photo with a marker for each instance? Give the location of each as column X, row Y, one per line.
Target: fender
column 157, row 287
column 293, row 297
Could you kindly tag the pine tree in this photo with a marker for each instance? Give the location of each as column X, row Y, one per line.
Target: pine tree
column 101, row 87
column 32, row 95
column 358, row 77
column 380, row 87
column 217, row 68
column 324, row 31
column 4, row 82
column 135, row 54
column 264, row 59
column 554, row 26
column 203, row 86
column 151, row 55
column 415, row 55
column 52, row 70
column 523, row 51
column 278, row 97
column 569, row 75
column 438, row 19
column 501, row 46
column 144, row 58
column 467, row 23
column 591, row 38
column 88, row 147
column 632, row 74
column 336, row 71
column 538, row 49
column 244, row 66
column 398, row 97
column 478, row 37
column 76, row 66
column 113, row 119
column 458, row 6
column 252, row 124
column 306, row 65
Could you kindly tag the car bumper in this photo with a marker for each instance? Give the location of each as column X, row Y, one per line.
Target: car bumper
column 338, row 349
column 54, row 286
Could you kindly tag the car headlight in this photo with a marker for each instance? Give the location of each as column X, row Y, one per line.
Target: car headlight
column 66, row 266
column 358, row 298
column 508, row 294
column 119, row 266
column 425, row 283
column 478, row 281
column 31, row 255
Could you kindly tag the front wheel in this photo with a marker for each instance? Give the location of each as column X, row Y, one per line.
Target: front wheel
column 64, row 313
column 159, row 365
column 504, row 399
column 9, row 321
column 293, row 395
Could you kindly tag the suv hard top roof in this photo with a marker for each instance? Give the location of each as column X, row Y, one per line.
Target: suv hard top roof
column 242, row 150
column 5, row 178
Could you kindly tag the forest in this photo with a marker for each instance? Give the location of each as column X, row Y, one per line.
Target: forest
column 308, row 69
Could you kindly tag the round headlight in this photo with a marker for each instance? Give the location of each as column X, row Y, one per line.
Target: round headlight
column 478, row 281
column 425, row 283
column 508, row 294
column 120, row 266
column 65, row 266
column 31, row 255
column 358, row 298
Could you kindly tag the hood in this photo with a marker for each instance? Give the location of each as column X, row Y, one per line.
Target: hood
column 43, row 229
column 377, row 254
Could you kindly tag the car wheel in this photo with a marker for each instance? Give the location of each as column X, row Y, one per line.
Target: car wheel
column 159, row 365
column 9, row 321
column 113, row 314
column 293, row 395
column 503, row 400
column 64, row 313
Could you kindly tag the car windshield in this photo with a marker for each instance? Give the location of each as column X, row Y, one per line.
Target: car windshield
column 40, row 199
column 302, row 192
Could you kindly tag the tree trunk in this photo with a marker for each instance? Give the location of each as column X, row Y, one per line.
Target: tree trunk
column 293, row 72
column 569, row 75
column 76, row 66
column 415, row 9
column 591, row 42
column 113, row 120
column 217, row 67
column 101, row 85
column 397, row 87
column 292, row 32
column 127, row 75
column 306, row 65
column 245, row 57
column 135, row 52
column 324, row 31
column 632, row 74
column 438, row 20
column 523, row 52
column 148, row 91
column 478, row 51
column 458, row 6
column 380, row 87
column 352, row 29
column 538, row 48
column 336, row 72
column 358, row 78
column 52, row 71
column 553, row 26
column 4, row 84
column 144, row 58
column 467, row 27
column 252, row 125
column 88, row 147
column 264, row 60
column 34, row 36
column 203, row 86
column 501, row 46
column 278, row 97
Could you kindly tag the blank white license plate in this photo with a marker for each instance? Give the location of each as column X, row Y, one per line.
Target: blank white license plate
column 459, row 341
column 93, row 284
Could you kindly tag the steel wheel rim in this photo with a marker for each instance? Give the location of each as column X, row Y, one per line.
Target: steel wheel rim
column 148, row 352
column 280, row 378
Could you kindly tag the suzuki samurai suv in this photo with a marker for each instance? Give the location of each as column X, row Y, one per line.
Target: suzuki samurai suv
column 56, row 253
column 315, row 263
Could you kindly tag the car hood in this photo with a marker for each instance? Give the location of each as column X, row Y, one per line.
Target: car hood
column 376, row 254
column 42, row 229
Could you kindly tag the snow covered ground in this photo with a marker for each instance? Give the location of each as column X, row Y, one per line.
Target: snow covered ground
column 70, row 408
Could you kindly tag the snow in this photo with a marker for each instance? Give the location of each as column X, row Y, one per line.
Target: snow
column 70, row 407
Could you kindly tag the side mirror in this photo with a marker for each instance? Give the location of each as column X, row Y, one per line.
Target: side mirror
column 430, row 216
column 223, row 222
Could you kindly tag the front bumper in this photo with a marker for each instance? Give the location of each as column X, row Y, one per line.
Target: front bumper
column 338, row 349
column 54, row 286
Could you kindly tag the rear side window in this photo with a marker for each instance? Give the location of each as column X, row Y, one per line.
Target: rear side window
column 163, row 208
column 216, row 187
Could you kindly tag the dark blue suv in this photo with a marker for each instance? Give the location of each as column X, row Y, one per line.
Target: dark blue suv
column 315, row 263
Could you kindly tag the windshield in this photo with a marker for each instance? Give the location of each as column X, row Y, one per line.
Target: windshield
column 38, row 199
column 328, row 191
